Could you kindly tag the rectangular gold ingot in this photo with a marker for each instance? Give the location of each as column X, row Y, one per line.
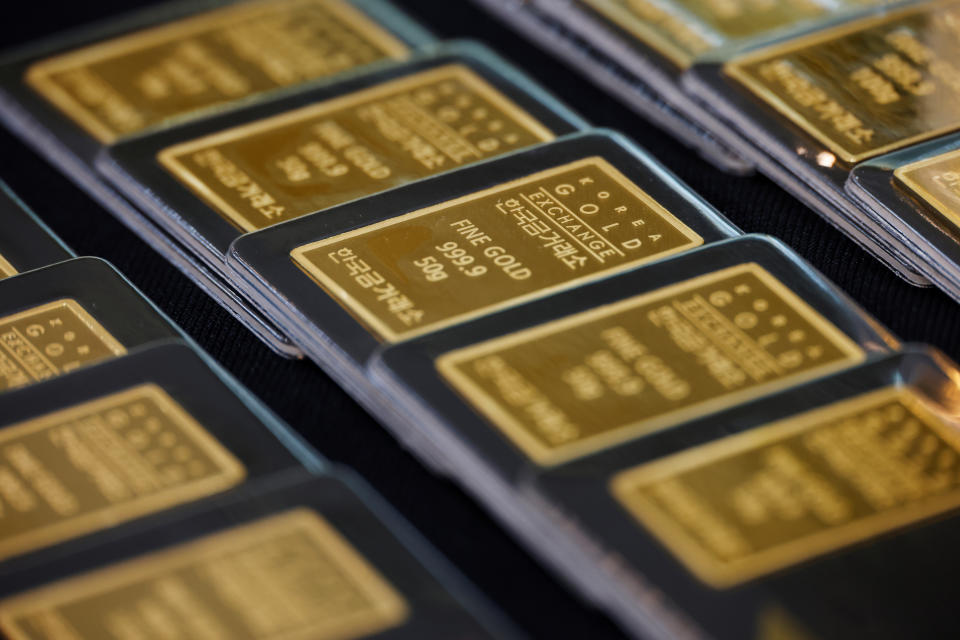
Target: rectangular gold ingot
column 935, row 181
column 555, row 229
column 288, row 165
column 681, row 30
column 573, row 386
column 286, row 577
column 102, row 462
column 49, row 340
column 771, row 497
column 121, row 86
column 6, row 269
column 868, row 87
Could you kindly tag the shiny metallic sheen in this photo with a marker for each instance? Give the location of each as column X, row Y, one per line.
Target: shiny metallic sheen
column 774, row 496
column 121, row 86
column 569, row 387
column 289, row 576
column 868, row 87
column 935, row 181
column 102, row 462
column 681, row 30
column 312, row 158
column 552, row 230
column 49, row 340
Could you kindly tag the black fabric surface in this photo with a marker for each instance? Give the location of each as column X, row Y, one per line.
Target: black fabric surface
column 304, row 397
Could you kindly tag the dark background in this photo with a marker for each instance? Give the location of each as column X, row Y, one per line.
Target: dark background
column 304, row 397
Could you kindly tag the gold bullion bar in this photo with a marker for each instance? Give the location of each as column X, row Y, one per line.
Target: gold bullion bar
column 682, row 30
column 573, row 386
column 935, row 181
column 290, row 576
column 311, row 158
column 49, row 340
column 99, row 463
column 6, row 269
column 867, row 87
column 771, row 497
column 467, row 257
column 121, row 86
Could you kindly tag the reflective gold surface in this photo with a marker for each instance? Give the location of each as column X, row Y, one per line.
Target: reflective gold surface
column 681, row 30
column 340, row 149
column 49, row 340
column 936, row 181
column 284, row 577
column 121, row 86
column 569, row 387
column 470, row 256
column 776, row 495
column 868, row 87
column 99, row 463
column 6, row 269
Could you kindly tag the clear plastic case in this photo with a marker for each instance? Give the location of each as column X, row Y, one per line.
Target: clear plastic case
column 69, row 315
column 910, row 192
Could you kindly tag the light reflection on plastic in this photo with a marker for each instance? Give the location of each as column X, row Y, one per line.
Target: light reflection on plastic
column 826, row 159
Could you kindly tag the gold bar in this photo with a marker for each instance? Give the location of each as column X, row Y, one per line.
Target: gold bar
column 124, row 85
column 868, row 87
column 50, row 340
column 681, row 30
column 573, row 386
column 935, row 181
column 290, row 576
column 774, row 496
column 312, row 158
column 471, row 256
column 96, row 464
